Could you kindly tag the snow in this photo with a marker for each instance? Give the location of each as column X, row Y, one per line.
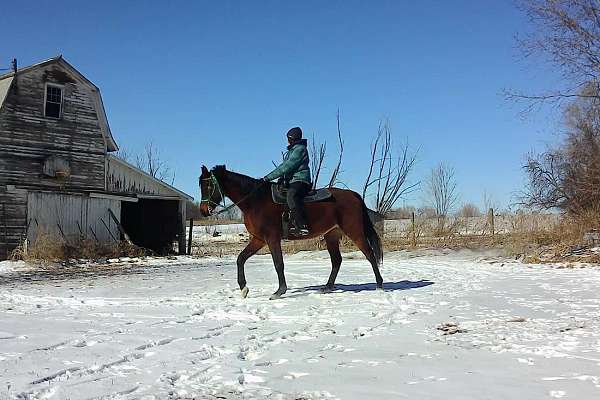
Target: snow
column 450, row 325
column 226, row 233
column 13, row 266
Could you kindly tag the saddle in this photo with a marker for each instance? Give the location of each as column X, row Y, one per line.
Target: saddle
column 279, row 194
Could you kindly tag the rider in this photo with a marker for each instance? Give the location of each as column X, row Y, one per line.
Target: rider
column 296, row 172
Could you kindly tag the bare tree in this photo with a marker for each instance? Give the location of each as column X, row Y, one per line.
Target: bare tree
column 426, row 212
column 123, row 154
column 317, row 156
column 151, row 162
column 388, row 171
column 336, row 171
column 566, row 33
column 192, row 210
column 489, row 202
column 567, row 177
column 469, row 210
column 441, row 189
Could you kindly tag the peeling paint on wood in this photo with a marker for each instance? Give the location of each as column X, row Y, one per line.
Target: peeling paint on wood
column 64, row 214
column 27, row 138
column 33, row 148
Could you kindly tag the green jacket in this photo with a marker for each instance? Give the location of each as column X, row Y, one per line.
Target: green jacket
column 294, row 167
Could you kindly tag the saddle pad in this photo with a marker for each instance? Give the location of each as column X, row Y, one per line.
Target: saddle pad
column 279, row 196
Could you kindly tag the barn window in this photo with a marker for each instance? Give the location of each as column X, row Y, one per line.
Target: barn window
column 54, row 101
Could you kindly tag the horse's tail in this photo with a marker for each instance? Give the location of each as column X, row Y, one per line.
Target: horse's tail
column 371, row 234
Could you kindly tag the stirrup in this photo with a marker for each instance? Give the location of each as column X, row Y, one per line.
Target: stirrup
column 303, row 231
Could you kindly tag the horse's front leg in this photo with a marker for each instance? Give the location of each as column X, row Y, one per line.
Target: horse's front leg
column 251, row 249
column 275, row 248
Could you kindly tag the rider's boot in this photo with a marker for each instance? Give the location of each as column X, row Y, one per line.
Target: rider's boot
column 298, row 222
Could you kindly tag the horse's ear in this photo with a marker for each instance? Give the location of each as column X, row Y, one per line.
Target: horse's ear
column 204, row 170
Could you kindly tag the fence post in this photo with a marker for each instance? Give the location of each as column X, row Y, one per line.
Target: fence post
column 491, row 221
column 189, row 247
column 414, row 234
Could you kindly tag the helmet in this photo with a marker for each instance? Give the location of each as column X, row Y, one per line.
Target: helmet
column 295, row 133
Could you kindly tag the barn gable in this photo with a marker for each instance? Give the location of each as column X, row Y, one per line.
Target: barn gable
column 58, row 70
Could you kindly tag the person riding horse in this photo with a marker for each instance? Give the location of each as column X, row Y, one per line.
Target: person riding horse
column 295, row 172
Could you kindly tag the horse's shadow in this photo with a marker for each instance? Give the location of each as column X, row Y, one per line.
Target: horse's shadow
column 360, row 287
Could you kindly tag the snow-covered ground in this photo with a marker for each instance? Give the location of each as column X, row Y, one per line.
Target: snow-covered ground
column 460, row 325
column 225, row 233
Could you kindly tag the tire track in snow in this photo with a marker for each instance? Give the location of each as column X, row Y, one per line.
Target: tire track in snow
column 84, row 371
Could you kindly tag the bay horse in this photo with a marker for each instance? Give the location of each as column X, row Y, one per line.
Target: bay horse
column 345, row 212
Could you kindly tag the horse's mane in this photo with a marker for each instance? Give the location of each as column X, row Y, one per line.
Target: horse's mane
column 246, row 183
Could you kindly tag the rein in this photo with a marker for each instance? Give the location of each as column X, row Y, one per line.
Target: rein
column 217, row 186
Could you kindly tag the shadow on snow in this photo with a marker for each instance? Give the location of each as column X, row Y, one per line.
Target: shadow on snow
column 359, row 287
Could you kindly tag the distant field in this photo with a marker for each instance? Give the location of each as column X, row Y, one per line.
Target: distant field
column 230, row 237
column 398, row 228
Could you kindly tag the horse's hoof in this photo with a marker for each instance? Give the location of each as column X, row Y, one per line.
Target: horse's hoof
column 277, row 294
column 380, row 288
column 326, row 289
column 244, row 291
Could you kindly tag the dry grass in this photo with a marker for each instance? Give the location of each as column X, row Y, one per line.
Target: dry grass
column 529, row 236
column 561, row 242
column 48, row 248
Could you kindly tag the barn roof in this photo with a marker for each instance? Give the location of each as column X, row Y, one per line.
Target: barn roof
column 7, row 79
column 152, row 186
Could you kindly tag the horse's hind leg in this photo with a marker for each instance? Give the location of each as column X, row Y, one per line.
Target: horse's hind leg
column 251, row 249
column 332, row 239
column 355, row 233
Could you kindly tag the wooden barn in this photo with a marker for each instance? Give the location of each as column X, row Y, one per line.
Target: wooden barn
column 57, row 175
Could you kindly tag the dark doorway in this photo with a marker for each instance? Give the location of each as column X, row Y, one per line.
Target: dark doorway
column 153, row 224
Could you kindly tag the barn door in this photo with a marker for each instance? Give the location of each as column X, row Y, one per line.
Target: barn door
column 13, row 224
column 55, row 215
column 71, row 217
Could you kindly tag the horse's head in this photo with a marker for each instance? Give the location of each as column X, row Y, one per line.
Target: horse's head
column 210, row 191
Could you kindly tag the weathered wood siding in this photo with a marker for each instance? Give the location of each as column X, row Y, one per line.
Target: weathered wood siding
column 4, row 87
column 49, row 213
column 13, row 218
column 27, row 138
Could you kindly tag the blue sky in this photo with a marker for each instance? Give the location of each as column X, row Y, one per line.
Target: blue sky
column 221, row 82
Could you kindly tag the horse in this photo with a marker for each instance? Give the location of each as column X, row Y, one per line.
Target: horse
column 345, row 212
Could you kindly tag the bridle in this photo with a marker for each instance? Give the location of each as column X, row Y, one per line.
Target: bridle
column 213, row 189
